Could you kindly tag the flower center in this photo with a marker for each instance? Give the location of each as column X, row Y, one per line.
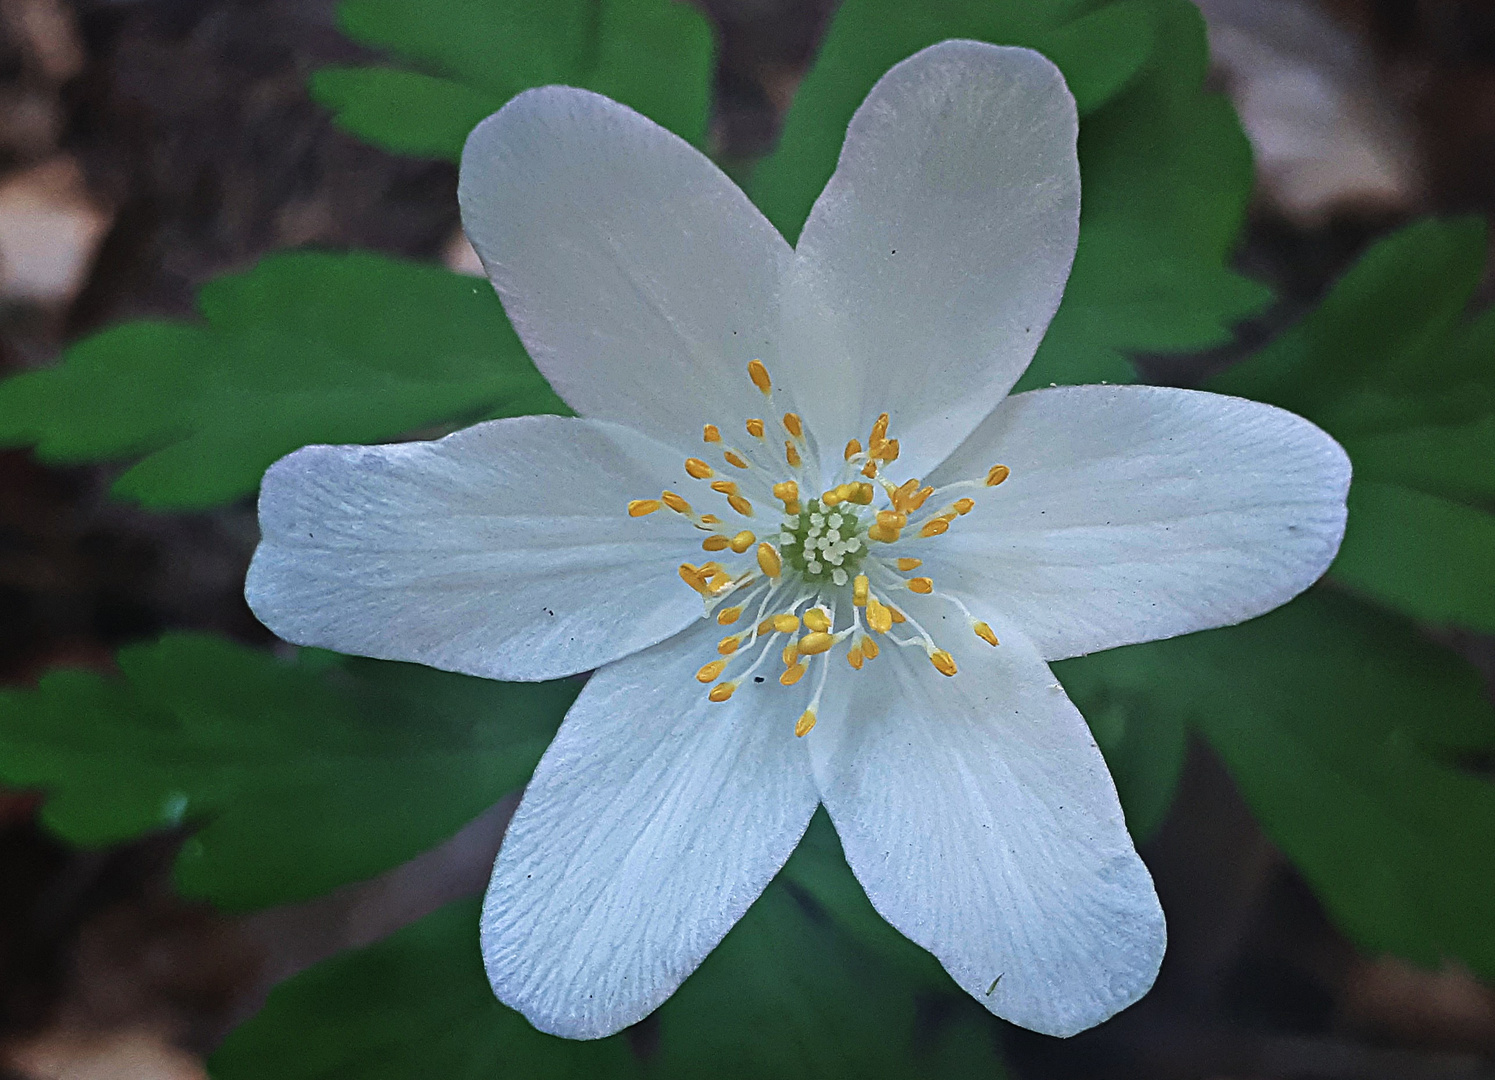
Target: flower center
column 828, row 573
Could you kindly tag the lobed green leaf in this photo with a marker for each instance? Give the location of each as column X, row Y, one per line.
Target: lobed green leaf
column 303, row 348
column 298, row 776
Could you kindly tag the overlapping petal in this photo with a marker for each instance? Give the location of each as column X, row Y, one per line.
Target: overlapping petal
column 1140, row 512
column 652, row 823
column 505, row 550
column 641, row 280
column 933, row 261
column 979, row 816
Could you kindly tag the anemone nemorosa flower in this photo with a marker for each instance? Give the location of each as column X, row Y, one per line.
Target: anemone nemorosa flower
column 812, row 550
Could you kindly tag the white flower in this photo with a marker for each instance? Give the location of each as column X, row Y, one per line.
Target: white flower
column 878, row 611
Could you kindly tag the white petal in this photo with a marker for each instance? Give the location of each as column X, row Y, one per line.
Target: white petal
column 979, row 816
column 933, row 261
column 652, row 823
column 640, row 278
column 1140, row 512
column 505, row 550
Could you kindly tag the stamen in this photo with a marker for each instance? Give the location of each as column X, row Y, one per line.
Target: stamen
column 791, row 455
column 785, row 624
column 793, row 425
column 879, row 429
column 742, row 541
column 790, row 654
column 887, row 451
column 984, row 632
column 916, row 500
column 676, row 503
column 715, row 543
column 943, row 661
column 817, row 620
column 734, row 459
column 788, row 492
column 710, row 519
column 859, row 590
column 869, row 469
column 755, row 428
column 910, row 564
column 711, row 433
column 853, row 448
column 934, row 527
column 640, row 507
column 728, row 616
column 869, row 647
column 759, row 374
column 722, row 691
column 805, row 724
column 728, row 645
column 711, row 671
column 741, row 505
column 794, row 674
column 997, row 474
column 694, row 578
column 922, row 585
column 699, row 469
column 768, row 560
column 854, row 657
column 815, row 644
column 963, row 506
column 724, row 487
column 879, row 615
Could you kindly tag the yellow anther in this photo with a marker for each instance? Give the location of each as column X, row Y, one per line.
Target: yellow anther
column 710, row 519
column 675, row 503
column 728, row 645
column 711, row 671
column 794, row 674
column 879, row 429
column 853, row 448
column 984, row 633
column 854, row 657
column 910, row 564
column 963, row 506
column 903, row 493
column 869, row 647
column 898, row 616
column 869, row 469
column 891, row 519
column 768, row 560
column 640, row 507
column 784, row 624
column 815, row 644
column 698, row 468
column 693, row 577
column 921, row 585
column 793, row 426
column 817, row 620
column 879, row 615
column 742, row 541
column 728, row 616
column 943, row 661
column 997, row 474
column 805, row 724
column 934, row 527
column 859, row 590
column 882, row 535
column 718, row 581
column 711, row 433
column 791, row 654
column 715, row 543
column 722, row 691
column 831, row 497
column 734, row 460
column 741, row 505
column 916, row 500
column 887, row 451
column 755, row 428
column 791, row 455
column 759, row 374
column 862, row 495
column 788, row 492
column 724, row 487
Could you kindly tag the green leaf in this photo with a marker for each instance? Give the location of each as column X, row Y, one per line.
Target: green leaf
column 301, row 776
column 785, row 995
column 471, row 56
column 302, row 348
column 1390, row 365
column 1165, row 169
column 1345, row 728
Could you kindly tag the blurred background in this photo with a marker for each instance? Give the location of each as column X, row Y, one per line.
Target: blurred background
column 147, row 146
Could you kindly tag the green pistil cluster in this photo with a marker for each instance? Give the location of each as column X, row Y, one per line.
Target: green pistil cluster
column 824, row 545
